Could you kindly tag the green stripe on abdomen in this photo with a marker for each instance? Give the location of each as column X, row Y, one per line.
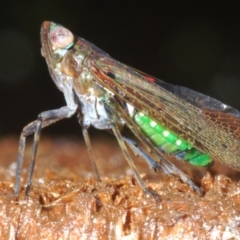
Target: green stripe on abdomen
column 169, row 142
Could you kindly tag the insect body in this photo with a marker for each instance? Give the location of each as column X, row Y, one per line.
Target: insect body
column 107, row 94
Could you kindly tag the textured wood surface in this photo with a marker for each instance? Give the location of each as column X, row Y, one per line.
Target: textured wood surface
column 66, row 202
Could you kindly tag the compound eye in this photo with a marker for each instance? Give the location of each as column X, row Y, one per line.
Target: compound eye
column 60, row 37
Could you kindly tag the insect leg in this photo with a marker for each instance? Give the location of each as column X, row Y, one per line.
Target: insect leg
column 85, row 125
column 90, row 152
column 44, row 119
column 131, row 163
column 156, row 166
column 120, row 139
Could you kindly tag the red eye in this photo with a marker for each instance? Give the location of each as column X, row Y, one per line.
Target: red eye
column 61, row 37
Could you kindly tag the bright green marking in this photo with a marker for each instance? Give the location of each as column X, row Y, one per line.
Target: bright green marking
column 193, row 153
column 145, row 119
column 153, row 124
column 202, row 160
column 172, row 138
column 147, row 130
column 141, row 119
column 169, row 147
column 169, row 141
column 158, row 128
column 166, row 133
column 158, row 139
column 182, row 145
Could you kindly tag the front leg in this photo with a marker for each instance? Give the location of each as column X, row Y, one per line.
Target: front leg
column 44, row 119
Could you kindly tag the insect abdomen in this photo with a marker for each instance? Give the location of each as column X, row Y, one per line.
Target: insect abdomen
column 169, row 142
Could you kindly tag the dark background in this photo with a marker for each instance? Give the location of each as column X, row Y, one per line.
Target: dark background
column 193, row 44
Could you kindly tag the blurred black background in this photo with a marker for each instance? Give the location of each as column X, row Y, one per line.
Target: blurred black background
column 195, row 44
